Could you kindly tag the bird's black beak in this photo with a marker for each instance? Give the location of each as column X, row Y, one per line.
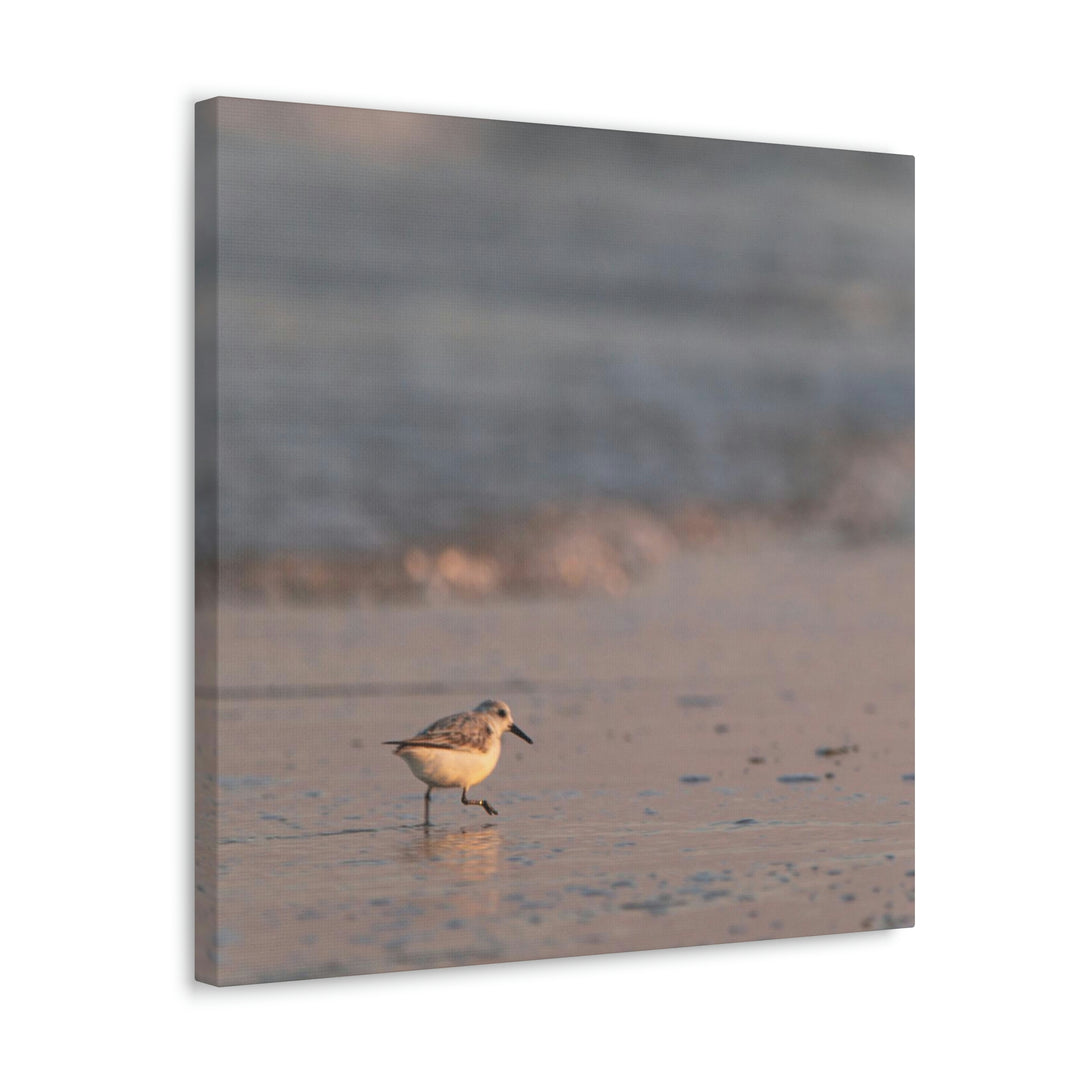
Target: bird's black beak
column 519, row 733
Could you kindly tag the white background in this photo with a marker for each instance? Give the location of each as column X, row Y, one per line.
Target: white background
column 97, row 449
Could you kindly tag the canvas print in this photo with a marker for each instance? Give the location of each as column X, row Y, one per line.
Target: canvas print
column 554, row 541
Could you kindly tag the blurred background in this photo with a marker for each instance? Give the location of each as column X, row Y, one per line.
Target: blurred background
column 468, row 356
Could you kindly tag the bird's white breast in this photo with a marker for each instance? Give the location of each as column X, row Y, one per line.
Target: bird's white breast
column 451, row 768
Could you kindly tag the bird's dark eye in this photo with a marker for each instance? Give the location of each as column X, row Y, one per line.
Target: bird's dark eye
column 502, row 712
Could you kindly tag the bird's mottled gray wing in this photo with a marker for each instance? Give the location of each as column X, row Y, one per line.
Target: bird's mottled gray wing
column 462, row 731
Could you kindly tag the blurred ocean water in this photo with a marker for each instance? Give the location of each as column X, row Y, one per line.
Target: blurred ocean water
column 422, row 319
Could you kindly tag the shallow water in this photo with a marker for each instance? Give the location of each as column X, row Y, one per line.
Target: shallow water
column 611, row 874
column 504, row 315
column 724, row 754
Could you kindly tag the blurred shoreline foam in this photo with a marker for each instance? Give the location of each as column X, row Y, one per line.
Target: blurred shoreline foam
column 598, row 546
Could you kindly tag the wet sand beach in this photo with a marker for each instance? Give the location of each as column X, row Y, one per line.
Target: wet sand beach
column 724, row 753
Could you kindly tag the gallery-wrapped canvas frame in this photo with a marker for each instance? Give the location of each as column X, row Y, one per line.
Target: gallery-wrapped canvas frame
column 591, row 447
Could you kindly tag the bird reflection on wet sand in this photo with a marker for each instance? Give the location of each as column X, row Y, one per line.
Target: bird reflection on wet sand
column 471, row 854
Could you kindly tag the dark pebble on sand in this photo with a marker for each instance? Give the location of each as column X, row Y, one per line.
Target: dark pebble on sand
column 908, row 776
column 834, row 751
column 798, row 778
column 693, row 779
column 745, row 821
column 756, row 760
column 659, row 906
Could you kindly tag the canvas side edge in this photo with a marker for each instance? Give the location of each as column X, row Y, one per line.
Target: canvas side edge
column 206, row 493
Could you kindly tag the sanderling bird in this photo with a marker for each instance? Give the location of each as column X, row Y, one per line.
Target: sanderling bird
column 459, row 750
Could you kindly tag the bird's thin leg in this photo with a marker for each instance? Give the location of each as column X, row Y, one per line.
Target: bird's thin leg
column 477, row 802
column 427, row 806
